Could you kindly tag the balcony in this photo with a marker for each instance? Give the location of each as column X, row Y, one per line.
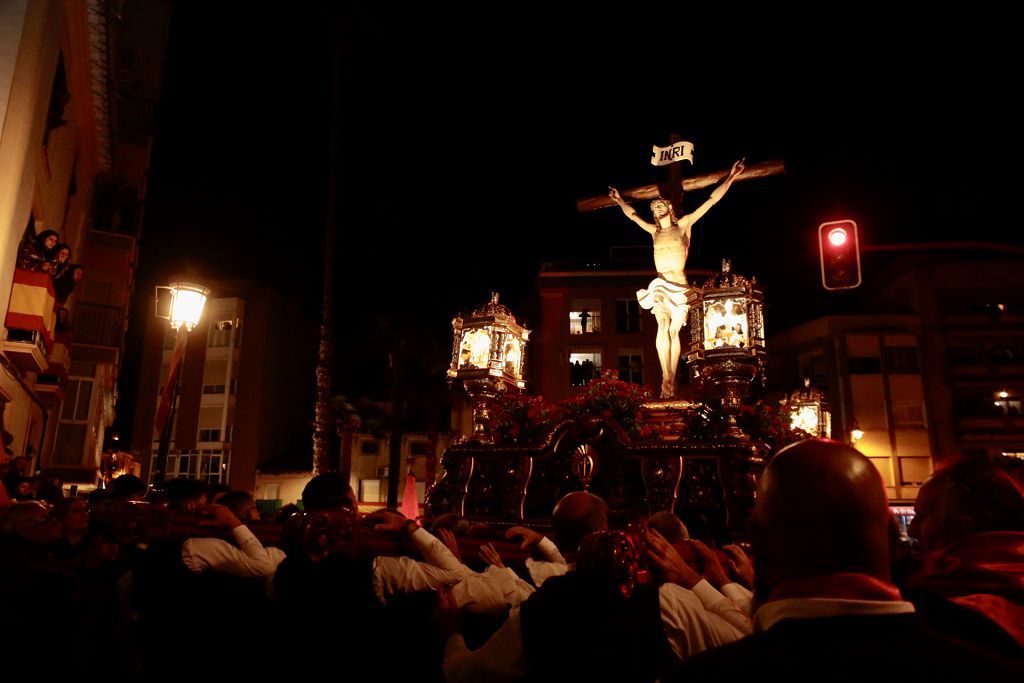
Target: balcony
column 97, row 332
column 135, row 118
column 50, row 383
column 994, row 424
column 29, row 325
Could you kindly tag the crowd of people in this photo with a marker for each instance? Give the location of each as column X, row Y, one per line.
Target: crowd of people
column 825, row 589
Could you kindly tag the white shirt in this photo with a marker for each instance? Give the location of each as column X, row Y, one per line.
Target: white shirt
column 248, row 560
column 492, row 592
column 553, row 563
column 740, row 595
column 694, row 620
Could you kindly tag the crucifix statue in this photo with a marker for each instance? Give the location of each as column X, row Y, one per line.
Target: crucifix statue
column 665, row 296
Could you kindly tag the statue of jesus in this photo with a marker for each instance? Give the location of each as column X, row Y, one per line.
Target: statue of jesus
column 665, row 297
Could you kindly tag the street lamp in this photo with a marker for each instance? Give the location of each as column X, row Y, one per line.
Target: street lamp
column 856, row 433
column 182, row 304
column 488, row 351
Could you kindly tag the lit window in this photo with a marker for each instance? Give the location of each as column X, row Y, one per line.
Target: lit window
column 584, row 367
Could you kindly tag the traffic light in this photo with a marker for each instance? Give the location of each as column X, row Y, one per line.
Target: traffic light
column 840, row 255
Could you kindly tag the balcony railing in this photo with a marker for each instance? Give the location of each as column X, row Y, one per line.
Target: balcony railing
column 98, row 325
column 135, row 115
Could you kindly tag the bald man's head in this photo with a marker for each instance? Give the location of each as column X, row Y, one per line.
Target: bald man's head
column 576, row 515
column 821, row 509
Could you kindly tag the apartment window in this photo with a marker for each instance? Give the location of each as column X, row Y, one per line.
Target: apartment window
column 370, row 447
column 212, row 467
column 209, row 435
column 584, row 367
column 1008, row 406
column 188, row 464
column 60, row 97
column 584, row 316
column 418, row 448
column 220, row 333
column 908, row 416
column 213, row 389
column 901, row 360
column 631, row 366
column 865, row 366
column 627, row 315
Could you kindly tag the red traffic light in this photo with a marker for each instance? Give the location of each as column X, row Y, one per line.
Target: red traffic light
column 840, row 255
column 837, row 236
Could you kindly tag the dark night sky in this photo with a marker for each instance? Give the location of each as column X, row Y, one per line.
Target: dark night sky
column 466, row 138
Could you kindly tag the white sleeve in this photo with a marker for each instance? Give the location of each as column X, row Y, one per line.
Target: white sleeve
column 689, row 627
column 514, row 588
column 392, row 575
column 249, row 560
column 716, row 603
column 436, row 552
column 552, row 565
column 743, row 598
column 500, row 659
column 549, row 550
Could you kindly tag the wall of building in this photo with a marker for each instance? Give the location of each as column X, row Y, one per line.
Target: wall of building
column 554, row 343
column 50, row 174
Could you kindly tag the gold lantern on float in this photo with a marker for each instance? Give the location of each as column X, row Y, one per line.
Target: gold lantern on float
column 488, row 357
column 727, row 339
column 808, row 411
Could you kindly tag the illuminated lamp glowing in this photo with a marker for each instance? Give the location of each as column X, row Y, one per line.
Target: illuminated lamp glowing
column 1003, row 394
column 837, row 236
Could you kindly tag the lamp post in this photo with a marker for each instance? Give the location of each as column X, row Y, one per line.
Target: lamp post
column 488, row 352
column 727, row 339
column 182, row 304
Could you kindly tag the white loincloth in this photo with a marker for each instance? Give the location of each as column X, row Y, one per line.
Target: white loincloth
column 664, row 293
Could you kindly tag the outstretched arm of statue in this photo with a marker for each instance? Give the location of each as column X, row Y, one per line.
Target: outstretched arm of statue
column 630, row 212
column 717, row 193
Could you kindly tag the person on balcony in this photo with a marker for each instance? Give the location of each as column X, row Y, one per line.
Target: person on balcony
column 35, row 252
column 60, row 260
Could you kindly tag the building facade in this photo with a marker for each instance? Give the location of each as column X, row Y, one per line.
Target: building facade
column 79, row 85
column 927, row 364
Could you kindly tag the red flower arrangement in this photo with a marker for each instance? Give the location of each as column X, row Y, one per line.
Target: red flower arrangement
column 611, row 398
column 518, row 418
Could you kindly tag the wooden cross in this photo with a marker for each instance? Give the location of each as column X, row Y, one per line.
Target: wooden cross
column 648, row 192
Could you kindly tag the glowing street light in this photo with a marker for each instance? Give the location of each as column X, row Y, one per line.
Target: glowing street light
column 856, row 433
column 181, row 303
